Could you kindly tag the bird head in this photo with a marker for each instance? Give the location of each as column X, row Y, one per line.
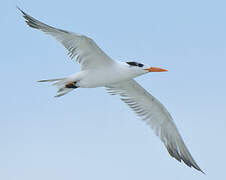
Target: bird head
column 142, row 69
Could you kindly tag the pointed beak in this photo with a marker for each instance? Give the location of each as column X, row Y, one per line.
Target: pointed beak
column 155, row 69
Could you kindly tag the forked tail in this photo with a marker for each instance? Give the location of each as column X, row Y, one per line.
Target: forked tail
column 64, row 85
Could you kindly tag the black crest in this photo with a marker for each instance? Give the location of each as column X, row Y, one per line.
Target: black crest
column 135, row 64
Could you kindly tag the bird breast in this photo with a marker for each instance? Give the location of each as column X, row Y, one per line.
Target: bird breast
column 104, row 76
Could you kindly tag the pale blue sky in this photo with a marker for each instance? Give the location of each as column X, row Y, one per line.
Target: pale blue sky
column 88, row 134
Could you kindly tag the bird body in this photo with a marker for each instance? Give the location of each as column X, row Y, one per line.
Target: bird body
column 105, row 75
column 99, row 70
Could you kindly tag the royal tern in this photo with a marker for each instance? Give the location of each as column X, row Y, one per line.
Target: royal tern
column 99, row 70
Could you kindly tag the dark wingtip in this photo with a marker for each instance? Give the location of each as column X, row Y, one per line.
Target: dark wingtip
column 179, row 157
column 202, row 171
column 20, row 9
column 24, row 14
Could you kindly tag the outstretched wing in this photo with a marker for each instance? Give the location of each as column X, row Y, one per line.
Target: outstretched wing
column 156, row 115
column 86, row 51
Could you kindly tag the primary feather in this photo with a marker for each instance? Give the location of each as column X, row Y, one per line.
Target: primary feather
column 83, row 48
column 154, row 114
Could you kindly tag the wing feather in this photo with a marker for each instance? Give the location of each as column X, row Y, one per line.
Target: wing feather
column 155, row 114
column 81, row 47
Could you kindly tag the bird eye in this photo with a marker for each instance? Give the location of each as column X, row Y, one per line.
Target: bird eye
column 140, row 65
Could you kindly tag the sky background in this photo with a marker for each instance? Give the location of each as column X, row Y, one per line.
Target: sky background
column 89, row 134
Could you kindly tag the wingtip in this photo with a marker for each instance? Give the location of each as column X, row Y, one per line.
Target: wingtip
column 202, row 171
column 41, row 81
column 20, row 9
column 198, row 168
column 23, row 13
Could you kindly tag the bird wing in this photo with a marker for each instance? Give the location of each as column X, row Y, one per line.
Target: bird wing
column 155, row 114
column 86, row 51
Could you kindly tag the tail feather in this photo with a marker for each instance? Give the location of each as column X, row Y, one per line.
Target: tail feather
column 63, row 92
column 60, row 83
column 50, row 80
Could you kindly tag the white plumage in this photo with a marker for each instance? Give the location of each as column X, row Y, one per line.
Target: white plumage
column 99, row 70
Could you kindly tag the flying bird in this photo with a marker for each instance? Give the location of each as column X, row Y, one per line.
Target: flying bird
column 99, row 70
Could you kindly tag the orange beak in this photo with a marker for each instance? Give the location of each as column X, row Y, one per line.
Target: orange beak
column 155, row 69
